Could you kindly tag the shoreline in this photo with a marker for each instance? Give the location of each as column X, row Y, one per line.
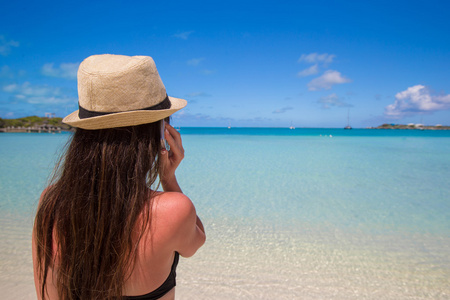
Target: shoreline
column 411, row 127
column 33, row 130
column 396, row 127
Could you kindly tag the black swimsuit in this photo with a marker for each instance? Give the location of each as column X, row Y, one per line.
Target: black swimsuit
column 163, row 288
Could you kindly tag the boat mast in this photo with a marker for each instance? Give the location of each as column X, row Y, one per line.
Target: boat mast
column 348, row 117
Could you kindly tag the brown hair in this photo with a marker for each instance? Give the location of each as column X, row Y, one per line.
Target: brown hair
column 98, row 191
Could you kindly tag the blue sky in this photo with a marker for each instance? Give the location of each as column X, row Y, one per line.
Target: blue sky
column 241, row 63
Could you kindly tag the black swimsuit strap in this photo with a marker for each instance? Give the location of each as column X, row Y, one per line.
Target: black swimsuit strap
column 164, row 288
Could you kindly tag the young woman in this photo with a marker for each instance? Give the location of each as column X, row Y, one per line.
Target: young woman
column 102, row 231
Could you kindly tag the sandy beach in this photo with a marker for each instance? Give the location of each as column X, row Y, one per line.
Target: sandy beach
column 275, row 265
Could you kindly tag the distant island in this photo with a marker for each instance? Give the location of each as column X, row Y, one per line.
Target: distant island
column 55, row 124
column 412, row 126
column 33, row 124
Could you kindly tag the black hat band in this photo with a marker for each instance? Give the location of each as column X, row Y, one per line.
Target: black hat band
column 85, row 114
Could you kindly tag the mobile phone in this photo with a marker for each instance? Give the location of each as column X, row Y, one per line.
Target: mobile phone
column 164, row 143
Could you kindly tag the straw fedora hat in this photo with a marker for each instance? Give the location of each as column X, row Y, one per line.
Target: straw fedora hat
column 117, row 91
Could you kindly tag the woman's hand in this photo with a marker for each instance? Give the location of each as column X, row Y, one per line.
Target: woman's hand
column 170, row 160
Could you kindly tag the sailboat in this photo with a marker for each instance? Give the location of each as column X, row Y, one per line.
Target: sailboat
column 348, row 120
column 292, row 126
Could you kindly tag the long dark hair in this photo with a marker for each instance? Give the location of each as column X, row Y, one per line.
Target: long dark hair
column 85, row 220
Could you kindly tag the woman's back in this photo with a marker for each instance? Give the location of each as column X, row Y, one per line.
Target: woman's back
column 158, row 249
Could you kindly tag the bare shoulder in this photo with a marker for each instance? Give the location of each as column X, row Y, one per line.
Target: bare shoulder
column 177, row 223
column 173, row 207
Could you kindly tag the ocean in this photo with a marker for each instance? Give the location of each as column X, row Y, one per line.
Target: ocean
column 289, row 214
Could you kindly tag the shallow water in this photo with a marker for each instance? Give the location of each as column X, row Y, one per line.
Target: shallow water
column 288, row 214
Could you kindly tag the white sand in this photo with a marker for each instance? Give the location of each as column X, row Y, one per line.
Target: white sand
column 253, row 263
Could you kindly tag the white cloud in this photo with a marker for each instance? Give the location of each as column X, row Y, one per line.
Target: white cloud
column 314, row 69
column 183, row 35
column 37, row 94
column 6, row 46
column 10, row 88
column 314, row 58
column 48, row 100
column 194, row 62
column 197, row 94
column 183, row 115
column 65, row 70
column 332, row 100
column 327, row 80
column 5, row 72
column 27, row 89
column 48, row 70
column 282, row 110
column 415, row 100
column 207, row 72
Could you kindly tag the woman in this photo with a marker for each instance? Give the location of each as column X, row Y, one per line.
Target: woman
column 101, row 231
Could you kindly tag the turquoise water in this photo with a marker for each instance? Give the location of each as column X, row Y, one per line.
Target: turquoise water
column 289, row 214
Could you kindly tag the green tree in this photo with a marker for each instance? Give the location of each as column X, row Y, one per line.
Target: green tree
column 55, row 121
